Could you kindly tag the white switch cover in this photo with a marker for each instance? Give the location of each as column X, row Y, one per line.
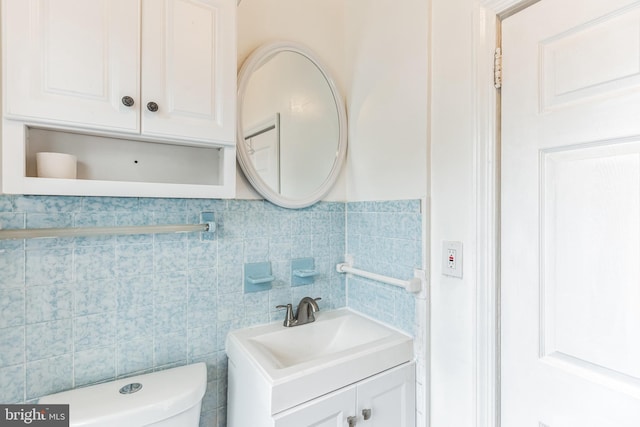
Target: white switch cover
column 452, row 259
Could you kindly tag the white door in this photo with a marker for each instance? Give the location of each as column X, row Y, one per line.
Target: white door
column 264, row 152
column 332, row 410
column 263, row 145
column 389, row 399
column 189, row 69
column 72, row 61
column 571, row 215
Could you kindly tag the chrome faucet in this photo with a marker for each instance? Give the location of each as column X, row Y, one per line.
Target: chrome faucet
column 304, row 314
column 306, row 309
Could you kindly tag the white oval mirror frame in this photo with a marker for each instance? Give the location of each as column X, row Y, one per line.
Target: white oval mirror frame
column 256, row 60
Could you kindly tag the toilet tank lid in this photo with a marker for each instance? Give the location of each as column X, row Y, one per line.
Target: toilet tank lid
column 163, row 395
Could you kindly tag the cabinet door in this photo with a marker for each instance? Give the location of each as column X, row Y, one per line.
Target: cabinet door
column 72, row 61
column 189, row 69
column 331, row 410
column 388, row 399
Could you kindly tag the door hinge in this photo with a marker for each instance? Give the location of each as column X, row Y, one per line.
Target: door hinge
column 497, row 68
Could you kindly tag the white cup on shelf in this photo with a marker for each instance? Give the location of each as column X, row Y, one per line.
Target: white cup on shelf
column 56, row 165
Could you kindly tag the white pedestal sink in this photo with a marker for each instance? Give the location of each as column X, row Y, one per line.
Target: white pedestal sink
column 273, row 368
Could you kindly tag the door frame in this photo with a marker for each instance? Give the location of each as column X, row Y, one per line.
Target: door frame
column 487, row 16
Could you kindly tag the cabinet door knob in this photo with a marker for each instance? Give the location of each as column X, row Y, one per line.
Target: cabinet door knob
column 352, row 421
column 152, row 106
column 366, row 414
column 127, row 101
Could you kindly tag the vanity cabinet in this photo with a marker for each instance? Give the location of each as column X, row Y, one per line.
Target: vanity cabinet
column 145, row 71
column 321, row 374
column 386, row 399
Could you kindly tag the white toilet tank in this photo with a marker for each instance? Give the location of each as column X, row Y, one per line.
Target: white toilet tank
column 169, row 398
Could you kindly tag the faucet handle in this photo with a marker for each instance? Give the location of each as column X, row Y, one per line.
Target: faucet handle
column 288, row 318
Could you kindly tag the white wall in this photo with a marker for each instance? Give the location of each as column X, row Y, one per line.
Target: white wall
column 452, row 215
column 387, row 69
column 318, row 24
column 459, row 135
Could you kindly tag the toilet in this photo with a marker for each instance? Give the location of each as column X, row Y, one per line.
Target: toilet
column 169, row 398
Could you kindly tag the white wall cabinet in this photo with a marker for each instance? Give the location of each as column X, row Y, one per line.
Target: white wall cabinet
column 76, row 62
column 387, row 399
column 159, row 71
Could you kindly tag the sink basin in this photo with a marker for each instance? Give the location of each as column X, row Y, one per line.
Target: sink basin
column 328, row 337
column 297, row 364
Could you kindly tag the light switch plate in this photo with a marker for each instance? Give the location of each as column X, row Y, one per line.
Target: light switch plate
column 452, row 259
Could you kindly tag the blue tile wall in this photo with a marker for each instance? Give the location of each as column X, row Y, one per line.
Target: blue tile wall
column 384, row 238
column 76, row 311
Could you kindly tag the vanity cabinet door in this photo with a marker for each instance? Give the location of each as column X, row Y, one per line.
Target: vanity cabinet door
column 388, row 399
column 189, row 69
column 331, row 410
column 384, row 400
column 71, row 62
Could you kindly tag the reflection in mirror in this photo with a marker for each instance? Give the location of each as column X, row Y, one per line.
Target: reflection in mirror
column 292, row 125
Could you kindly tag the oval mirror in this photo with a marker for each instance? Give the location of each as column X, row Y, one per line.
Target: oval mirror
column 291, row 125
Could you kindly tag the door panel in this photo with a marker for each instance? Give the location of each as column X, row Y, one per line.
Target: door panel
column 72, row 61
column 580, row 63
column 571, row 215
column 591, row 212
column 189, row 65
